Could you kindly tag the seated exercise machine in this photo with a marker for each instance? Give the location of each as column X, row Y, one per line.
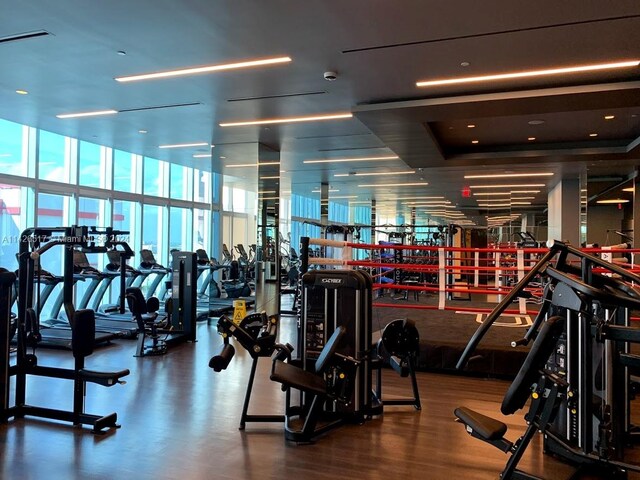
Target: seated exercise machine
column 150, row 324
column 398, row 346
column 257, row 334
column 325, row 390
column 578, row 370
column 82, row 324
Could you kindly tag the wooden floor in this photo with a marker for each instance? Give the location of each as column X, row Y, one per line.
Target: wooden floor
column 179, row 421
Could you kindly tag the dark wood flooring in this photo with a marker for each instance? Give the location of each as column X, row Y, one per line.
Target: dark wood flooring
column 180, row 421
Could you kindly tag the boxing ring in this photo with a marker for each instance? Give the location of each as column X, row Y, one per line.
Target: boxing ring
column 448, row 291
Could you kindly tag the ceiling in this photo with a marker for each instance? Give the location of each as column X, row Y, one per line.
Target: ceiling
column 379, row 49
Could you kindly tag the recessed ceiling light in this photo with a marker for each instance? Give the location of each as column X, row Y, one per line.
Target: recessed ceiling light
column 313, row 118
column 593, row 134
column 221, row 157
column 529, row 73
column 524, row 191
column 609, row 117
column 509, row 185
column 536, row 122
column 629, row 189
column 331, row 190
column 531, row 139
column 203, row 69
column 511, row 175
column 184, row 145
column 22, row 92
column 268, row 198
column 464, row 64
column 374, row 174
column 412, row 184
column 474, row 141
column 202, row 155
column 614, row 200
column 471, row 125
column 266, row 192
column 273, row 177
column 87, row 114
column 356, row 159
column 142, row 131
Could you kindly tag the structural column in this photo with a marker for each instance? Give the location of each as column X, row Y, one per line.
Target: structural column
column 564, row 211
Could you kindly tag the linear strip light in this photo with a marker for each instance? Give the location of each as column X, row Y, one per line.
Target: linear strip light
column 268, row 198
column 613, row 200
column 186, row 145
column 313, row 118
column 261, row 164
column 529, row 73
column 373, row 174
column 202, row 155
column 520, row 203
column 344, row 197
column 273, row 177
column 331, row 190
column 486, row 194
column 266, row 192
column 87, row 114
column 203, row 69
column 413, row 184
column 494, row 205
column 510, row 175
column 629, row 189
column 356, row 159
column 522, row 191
column 363, row 201
column 508, row 186
column 419, row 198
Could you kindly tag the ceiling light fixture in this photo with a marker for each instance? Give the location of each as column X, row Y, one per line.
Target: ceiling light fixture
column 202, row 155
column 331, row 190
column 419, row 198
column 613, row 200
column 531, row 139
column 529, row 73
column 486, row 194
column 266, row 192
column 593, row 134
column 142, row 131
column 185, row 145
column 344, row 197
column 609, row 117
column 525, row 191
column 273, row 177
column 203, row 69
column 528, row 185
column 313, row 118
column 87, row 114
column 22, row 92
column 261, row 164
column 511, row 175
column 628, row 189
column 374, row 174
column 471, row 125
column 475, row 141
column 356, row 159
column 412, row 184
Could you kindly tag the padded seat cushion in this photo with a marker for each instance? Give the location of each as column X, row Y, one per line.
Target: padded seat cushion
column 296, row 377
column 485, row 427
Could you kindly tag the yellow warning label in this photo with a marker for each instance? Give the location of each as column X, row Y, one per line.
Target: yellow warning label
column 239, row 311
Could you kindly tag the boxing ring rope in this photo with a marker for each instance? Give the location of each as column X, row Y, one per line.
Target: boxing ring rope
column 444, row 264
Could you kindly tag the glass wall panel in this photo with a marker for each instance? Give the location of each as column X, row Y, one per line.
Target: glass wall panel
column 180, row 182
column 154, row 232
column 13, row 148
column 155, row 177
column 202, row 230
column 202, row 186
column 126, row 172
column 16, row 214
column 91, row 167
column 180, row 228
column 56, row 157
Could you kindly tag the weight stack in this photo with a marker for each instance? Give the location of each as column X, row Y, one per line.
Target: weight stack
column 331, row 298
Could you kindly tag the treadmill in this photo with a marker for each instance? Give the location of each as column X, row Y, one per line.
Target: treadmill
column 57, row 333
column 149, row 266
column 121, row 326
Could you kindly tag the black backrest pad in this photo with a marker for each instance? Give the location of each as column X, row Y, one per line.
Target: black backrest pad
column 136, row 301
column 83, row 333
column 330, row 348
column 542, row 348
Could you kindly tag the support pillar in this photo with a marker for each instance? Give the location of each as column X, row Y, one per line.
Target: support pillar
column 564, row 211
